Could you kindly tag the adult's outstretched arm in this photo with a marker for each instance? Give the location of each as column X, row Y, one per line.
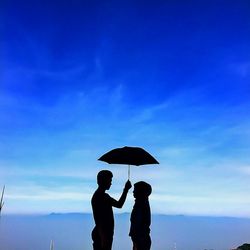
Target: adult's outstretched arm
column 123, row 197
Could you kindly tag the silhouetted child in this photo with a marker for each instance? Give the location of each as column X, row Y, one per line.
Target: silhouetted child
column 141, row 217
column 102, row 206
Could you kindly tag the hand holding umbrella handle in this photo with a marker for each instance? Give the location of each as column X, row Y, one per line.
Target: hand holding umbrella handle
column 128, row 185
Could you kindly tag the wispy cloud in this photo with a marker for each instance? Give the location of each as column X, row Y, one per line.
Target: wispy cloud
column 241, row 68
column 244, row 170
column 51, row 196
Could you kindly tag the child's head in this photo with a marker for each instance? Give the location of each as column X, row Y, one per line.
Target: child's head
column 142, row 189
column 104, row 179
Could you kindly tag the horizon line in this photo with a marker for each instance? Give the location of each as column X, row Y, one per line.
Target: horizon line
column 125, row 213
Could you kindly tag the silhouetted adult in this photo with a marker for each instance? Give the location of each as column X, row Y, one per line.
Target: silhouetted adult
column 102, row 206
column 141, row 217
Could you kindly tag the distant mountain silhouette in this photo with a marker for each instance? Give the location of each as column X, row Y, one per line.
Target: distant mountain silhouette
column 245, row 246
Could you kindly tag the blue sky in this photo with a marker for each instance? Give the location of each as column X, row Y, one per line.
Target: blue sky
column 79, row 78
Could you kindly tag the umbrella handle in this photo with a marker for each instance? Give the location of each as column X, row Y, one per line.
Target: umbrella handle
column 128, row 172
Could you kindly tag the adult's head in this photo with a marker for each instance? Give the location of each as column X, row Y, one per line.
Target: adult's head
column 142, row 189
column 104, row 179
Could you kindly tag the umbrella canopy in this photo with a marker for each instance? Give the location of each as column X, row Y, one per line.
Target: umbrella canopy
column 129, row 156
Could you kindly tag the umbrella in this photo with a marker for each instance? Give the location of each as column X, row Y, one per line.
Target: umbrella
column 129, row 156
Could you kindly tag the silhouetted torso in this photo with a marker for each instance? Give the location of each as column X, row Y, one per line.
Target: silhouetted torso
column 140, row 219
column 102, row 210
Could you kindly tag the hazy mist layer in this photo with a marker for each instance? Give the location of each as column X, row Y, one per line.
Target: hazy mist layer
column 72, row 232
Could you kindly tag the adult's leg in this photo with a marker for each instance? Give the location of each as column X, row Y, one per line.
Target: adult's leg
column 108, row 243
column 134, row 246
column 96, row 240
